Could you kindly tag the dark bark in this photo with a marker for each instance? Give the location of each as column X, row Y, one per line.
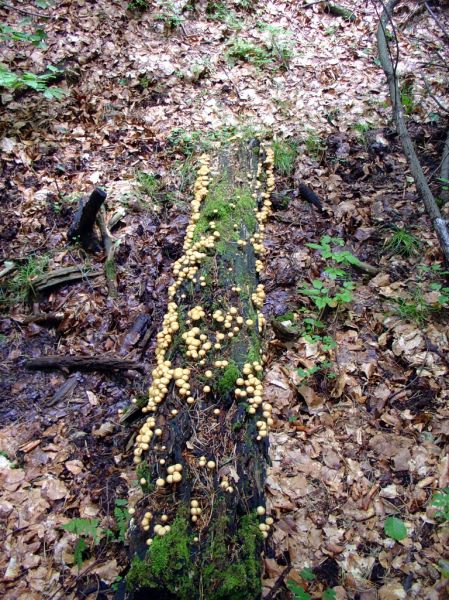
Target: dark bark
column 82, row 229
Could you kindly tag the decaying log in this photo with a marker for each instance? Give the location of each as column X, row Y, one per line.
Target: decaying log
column 83, row 363
column 83, row 226
column 201, row 450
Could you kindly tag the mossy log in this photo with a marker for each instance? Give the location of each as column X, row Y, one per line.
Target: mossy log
column 201, row 453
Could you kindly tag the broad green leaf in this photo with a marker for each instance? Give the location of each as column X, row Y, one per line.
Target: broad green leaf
column 298, row 592
column 307, row 574
column 80, row 547
column 395, row 528
column 329, row 594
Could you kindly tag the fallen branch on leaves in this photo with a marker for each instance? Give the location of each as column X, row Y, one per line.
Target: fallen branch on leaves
column 62, row 276
column 416, row 170
column 85, row 363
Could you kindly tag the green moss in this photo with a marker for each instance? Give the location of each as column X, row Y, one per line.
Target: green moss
column 241, row 579
column 139, row 576
column 226, row 383
column 221, row 195
column 143, row 472
column 167, row 564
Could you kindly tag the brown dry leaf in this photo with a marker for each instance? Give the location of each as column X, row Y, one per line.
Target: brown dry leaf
column 54, row 489
column 314, row 402
column 74, row 466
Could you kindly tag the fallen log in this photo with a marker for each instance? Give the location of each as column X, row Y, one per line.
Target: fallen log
column 86, row 363
column 202, row 446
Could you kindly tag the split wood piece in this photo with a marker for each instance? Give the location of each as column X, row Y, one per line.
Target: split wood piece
column 66, row 390
column 218, row 553
column 422, row 185
column 110, row 269
column 83, row 226
column 61, row 277
column 84, row 363
column 138, row 330
column 39, row 318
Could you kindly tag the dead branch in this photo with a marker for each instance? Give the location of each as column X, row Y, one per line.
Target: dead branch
column 444, row 173
column 437, row 20
column 86, row 363
column 62, row 276
column 407, row 144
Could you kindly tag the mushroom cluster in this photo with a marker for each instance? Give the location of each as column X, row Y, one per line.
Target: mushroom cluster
column 199, row 341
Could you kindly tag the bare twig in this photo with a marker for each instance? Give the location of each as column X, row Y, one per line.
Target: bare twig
column 421, row 182
column 25, row 11
column 437, row 20
column 444, row 173
column 434, row 98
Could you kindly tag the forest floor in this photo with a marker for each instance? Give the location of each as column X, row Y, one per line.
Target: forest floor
column 360, row 393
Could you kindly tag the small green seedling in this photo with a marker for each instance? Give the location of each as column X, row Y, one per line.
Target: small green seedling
column 343, row 257
column 323, row 296
column 440, row 500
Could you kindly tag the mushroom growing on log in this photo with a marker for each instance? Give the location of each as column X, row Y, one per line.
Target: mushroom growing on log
column 202, row 446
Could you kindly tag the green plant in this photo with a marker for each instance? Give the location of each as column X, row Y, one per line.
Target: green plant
column 39, row 83
column 36, row 38
column 440, row 500
column 279, row 43
column 341, row 257
column 89, row 533
column 138, row 5
column 285, row 152
column 12, row 80
column 315, row 145
column 21, row 286
column 299, row 592
column 323, row 296
column 402, row 242
column 324, row 366
column 415, row 308
column 169, row 15
column 407, row 97
column 218, row 11
column 148, row 183
column 395, row 528
column 243, row 50
column 83, row 528
column 121, row 515
column 444, row 292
